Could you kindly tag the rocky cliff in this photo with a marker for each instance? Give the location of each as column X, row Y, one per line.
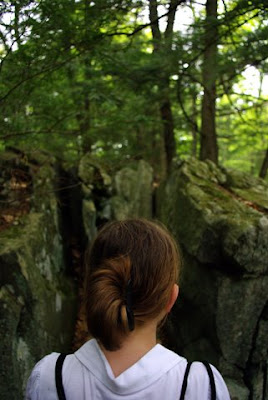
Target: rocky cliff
column 220, row 219
column 37, row 297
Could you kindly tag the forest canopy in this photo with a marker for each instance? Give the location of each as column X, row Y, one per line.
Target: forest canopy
column 126, row 80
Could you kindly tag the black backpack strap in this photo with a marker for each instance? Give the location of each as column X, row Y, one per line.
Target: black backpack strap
column 184, row 383
column 211, row 379
column 58, row 376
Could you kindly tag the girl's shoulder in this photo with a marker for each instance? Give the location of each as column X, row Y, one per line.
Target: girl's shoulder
column 201, row 379
column 44, row 369
column 41, row 384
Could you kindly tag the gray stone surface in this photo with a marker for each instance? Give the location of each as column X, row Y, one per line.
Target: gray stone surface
column 128, row 193
column 96, row 192
column 237, row 391
column 220, row 218
column 133, row 192
column 37, row 300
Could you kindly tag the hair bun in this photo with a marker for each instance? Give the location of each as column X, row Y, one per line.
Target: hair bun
column 107, row 286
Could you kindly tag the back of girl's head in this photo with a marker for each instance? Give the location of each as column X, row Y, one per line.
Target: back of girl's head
column 132, row 255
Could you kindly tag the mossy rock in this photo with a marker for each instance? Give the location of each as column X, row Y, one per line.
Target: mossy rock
column 221, row 223
column 93, row 173
column 208, row 218
column 133, row 192
column 37, row 298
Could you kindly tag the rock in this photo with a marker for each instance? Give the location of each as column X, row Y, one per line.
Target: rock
column 89, row 218
column 37, row 299
column 237, row 390
column 224, row 238
column 240, row 306
column 96, row 189
column 133, row 192
column 128, row 194
column 93, row 174
column 220, row 218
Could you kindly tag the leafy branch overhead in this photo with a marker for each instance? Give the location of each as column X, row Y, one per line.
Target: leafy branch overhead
column 144, row 78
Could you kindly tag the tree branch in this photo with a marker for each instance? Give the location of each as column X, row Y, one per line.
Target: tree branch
column 186, row 115
column 45, row 131
column 171, row 17
column 154, row 21
column 51, row 68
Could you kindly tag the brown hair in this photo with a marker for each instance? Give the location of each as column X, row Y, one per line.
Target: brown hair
column 136, row 251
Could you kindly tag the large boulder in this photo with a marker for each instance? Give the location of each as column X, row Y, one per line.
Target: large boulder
column 220, row 219
column 118, row 194
column 96, row 190
column 133, row 191
column 37, row 299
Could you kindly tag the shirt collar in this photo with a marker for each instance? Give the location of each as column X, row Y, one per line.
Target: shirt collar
column 144, row 372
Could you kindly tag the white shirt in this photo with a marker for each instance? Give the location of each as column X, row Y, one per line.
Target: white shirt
column 158, row 375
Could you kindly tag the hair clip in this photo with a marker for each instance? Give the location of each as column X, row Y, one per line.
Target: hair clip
column 129, row 304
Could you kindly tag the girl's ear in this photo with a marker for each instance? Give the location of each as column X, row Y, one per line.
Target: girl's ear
column 173, row 297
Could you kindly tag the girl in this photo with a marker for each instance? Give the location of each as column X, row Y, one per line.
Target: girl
column 130, row 287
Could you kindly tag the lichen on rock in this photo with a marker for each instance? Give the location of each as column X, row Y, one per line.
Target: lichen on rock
column 34, row 289
column 133, row 191
column 220, row 219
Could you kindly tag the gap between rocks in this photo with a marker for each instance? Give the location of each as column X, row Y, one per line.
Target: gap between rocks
column 74, row 240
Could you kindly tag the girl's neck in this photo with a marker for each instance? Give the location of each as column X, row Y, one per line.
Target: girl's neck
column 133, row 348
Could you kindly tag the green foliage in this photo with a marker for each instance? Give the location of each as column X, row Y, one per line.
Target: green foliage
column 79, row 75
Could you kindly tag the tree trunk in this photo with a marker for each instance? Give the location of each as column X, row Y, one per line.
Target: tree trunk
column 17, row 23
column 194, row 128
column 82, row 104
column 162, row 46
column 85, row 126
column 86, row 120
column 208, row 144
column 264, row 167
column 169, row 139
